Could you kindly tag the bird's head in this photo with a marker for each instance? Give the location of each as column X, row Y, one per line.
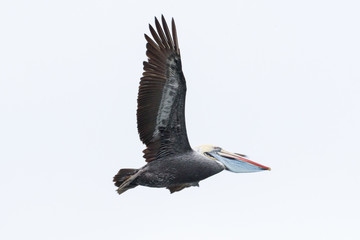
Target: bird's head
column 233, row 162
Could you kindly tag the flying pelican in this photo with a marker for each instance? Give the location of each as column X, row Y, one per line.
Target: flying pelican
column 171, row 162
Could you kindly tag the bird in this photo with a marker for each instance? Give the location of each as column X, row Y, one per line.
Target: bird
column 171, row 162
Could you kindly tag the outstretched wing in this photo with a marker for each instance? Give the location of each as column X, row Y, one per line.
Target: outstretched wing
column 161, row 99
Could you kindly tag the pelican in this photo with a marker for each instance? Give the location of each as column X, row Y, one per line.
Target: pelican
column 171, row 162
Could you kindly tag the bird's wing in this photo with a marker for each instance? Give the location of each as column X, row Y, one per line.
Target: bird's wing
column 161, row 99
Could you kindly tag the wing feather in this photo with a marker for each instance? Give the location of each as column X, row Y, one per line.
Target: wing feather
column 161, row 98
column 162, row 34
column 167, row 32
column 156, row 37
column 176, row 44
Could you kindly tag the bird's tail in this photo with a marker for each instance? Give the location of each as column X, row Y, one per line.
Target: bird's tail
column 124, row 179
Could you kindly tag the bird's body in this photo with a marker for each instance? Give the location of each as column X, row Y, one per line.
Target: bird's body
column 176, row 170
column 171, row 162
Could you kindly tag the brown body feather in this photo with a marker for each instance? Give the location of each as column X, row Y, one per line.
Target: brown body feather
column 161, row 121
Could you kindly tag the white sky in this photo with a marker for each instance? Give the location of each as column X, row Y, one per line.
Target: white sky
column 276, row 80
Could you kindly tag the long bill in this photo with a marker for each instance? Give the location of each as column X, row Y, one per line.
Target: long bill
column 238, row 163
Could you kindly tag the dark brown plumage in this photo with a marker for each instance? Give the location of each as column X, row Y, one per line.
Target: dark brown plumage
column 161, row 121
column 161, row 99
column 171, row 162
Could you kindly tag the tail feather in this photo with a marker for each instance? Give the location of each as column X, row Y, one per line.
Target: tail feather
column 124, row 179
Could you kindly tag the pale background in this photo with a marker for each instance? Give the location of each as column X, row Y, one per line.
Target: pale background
column 277, row 80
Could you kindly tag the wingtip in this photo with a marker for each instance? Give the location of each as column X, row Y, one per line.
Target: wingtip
column 150, row 27
column 156, row 21
column 163, row 20
column 174, row 34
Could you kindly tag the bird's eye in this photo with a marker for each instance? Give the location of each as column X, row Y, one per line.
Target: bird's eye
column 217, row 149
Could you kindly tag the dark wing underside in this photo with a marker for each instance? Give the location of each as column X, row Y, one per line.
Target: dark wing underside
column 161, row 99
